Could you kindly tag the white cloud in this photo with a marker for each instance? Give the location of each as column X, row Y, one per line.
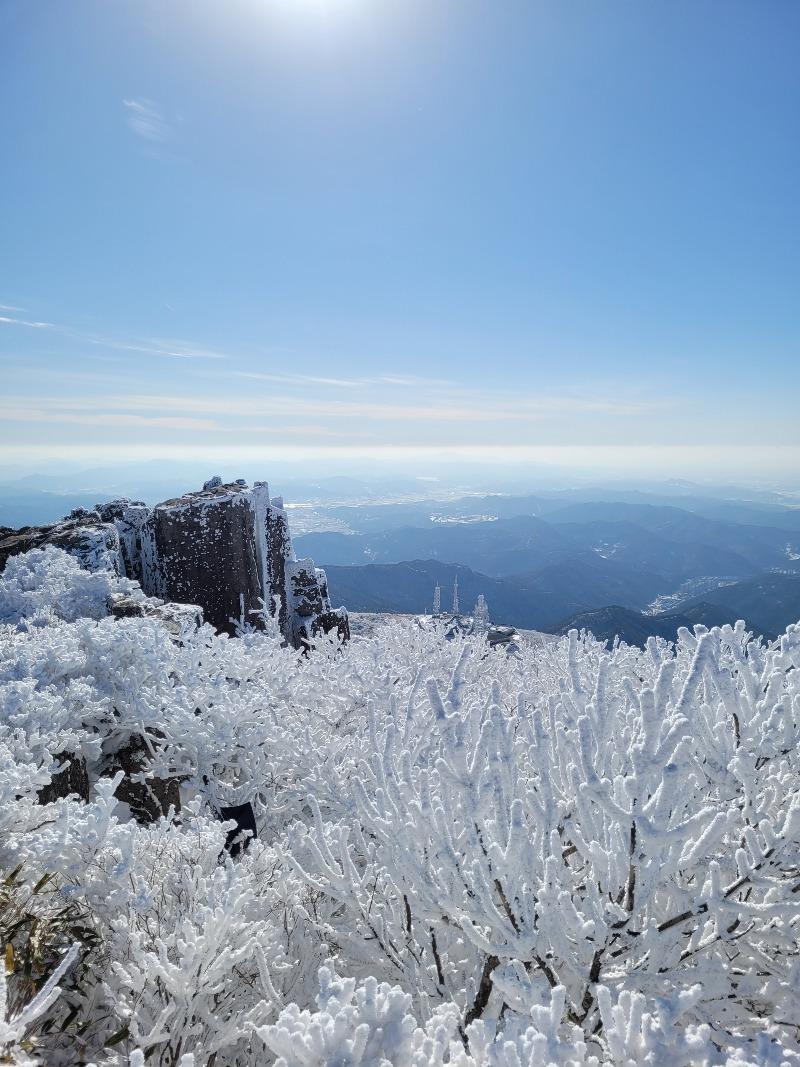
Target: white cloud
column 309, row 432
column 146, row 120
column 303, row 379
column 412, row 381
column 155, row 346
column 471, row 409
column 25, row 322
column 344, row 383
column 49, row 415
column 152, row 346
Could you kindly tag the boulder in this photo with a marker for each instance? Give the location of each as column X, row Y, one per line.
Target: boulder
column 177, row 618
column 83, row 534
column 205, row 546
column 304, row 590
column 336, row 619
column 95, row 546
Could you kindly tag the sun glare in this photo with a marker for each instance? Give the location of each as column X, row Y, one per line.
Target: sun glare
column 315, row 8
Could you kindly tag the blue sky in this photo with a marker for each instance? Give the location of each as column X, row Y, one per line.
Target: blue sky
column 368, row 226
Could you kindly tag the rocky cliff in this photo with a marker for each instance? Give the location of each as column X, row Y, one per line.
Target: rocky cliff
column 226, row 548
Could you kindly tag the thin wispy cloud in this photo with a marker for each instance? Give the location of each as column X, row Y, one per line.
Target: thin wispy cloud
column 472, row 410
column 344, row 383
column 309, row 431
column 152, row 346
column 10, row 307
column 113, row 418
column 145, row 119
column 158, row 347
column 26, row 322
column 412, row 380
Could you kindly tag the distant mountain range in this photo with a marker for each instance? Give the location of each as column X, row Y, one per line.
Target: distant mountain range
column 604, row 565
column 576, row 505
column 768, row 603
column 534, row 602
column 578, row 594
column 667, row 542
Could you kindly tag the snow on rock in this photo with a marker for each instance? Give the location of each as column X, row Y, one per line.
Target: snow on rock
column 130, row 518
column 94, row 543
column 177, row 618
column 274, row 549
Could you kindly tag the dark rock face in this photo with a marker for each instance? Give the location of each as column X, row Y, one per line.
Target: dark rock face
column 222, row 553
column 23, row 540
column 206, row 547
column 304, row 589
column 148, row 799
column 310, row 604
column 72, row 780
column 328, row 621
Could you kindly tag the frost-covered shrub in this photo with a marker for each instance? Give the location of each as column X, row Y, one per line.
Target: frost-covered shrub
column 568, row 855
column 371, row 1025
column 47, row 584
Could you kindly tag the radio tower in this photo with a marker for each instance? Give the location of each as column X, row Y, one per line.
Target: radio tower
column 437, row 600
column 456, row 607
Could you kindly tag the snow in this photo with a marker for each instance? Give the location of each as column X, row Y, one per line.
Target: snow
column 606, row 550
column 568, row 856
column 462, row 520
column 688, row 590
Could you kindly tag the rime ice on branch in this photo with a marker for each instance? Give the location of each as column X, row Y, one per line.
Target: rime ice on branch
column 226, row 548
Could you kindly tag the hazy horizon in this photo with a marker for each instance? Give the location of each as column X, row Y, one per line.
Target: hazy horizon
column 756, row 470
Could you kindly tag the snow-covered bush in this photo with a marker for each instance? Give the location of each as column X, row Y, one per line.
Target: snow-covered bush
column 372, row 1026
column 567, row 855
column 46, row 584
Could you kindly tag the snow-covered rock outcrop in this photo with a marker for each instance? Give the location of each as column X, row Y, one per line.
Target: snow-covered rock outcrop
column 225, row 547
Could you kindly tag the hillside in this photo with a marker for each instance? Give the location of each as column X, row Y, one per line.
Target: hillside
column 768, row 603
column 634, row 627
column 670, row 542
column 499, row 548
column 528, row 601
